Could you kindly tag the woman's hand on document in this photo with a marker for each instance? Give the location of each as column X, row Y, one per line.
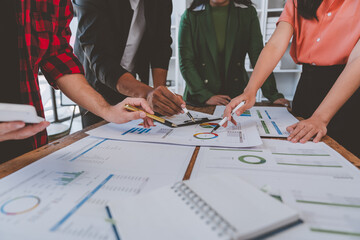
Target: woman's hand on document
column 304, row 130
column 118, row 113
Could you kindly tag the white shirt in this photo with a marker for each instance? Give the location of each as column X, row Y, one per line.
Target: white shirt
column 136, row 33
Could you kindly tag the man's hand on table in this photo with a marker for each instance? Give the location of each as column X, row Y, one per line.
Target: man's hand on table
column 118, row 113
column 282, row 101
column 166, row 103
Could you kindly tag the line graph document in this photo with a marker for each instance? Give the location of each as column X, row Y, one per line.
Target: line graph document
column 63, row 195
column 244, row 134
column 270, row 121
column 278, row 164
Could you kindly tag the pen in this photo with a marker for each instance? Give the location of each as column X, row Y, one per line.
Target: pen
column 112, row 221
column 185, row 110
column 156, row 118
column 225, row 118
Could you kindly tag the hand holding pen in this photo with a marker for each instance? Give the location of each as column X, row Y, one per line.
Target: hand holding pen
column 164, row 102
column 225, row 119
column 185, row 110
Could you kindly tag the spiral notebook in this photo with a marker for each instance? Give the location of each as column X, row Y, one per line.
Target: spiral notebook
column 211, row 207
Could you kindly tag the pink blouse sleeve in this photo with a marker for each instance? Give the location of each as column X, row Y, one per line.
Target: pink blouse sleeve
column 288, row 14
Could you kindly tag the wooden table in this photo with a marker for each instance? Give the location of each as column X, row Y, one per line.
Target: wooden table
column 28, row 158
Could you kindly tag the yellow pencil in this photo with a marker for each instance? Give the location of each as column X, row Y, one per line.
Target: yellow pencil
column 154, row 117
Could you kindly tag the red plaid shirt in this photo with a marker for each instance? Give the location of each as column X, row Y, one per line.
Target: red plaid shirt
column 44, row 34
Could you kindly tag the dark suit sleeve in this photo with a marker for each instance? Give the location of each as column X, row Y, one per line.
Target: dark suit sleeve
column 187, row 59
column 160, row 53
column 96, row 38
column 256, row 45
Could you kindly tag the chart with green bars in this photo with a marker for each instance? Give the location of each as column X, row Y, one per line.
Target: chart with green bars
column 64, row 178
column 271, row 121
column 335, row 214
column 277, row 157
column 279, row 166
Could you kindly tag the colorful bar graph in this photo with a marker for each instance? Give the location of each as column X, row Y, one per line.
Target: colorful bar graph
column 259, row 114
column 137, row 130
column 266, row 129
column 267, row 114
column 67, row 177
column 276, row 127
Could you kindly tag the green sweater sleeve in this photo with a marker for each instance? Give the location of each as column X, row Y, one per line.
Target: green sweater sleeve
column 188, row 62
column 269, row 88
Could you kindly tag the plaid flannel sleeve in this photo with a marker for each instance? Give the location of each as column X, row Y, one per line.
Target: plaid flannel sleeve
column 60, row 59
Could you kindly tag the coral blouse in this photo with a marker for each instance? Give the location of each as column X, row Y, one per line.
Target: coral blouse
column 328, row 41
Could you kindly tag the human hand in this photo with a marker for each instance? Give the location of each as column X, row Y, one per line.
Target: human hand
column 282, row 101
column 118, row 113
column 165, row 102
column 18, row 130
column 249, row 99
column 306, row 129
column 218, row 100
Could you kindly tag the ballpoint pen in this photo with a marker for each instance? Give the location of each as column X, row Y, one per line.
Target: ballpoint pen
column 225, row 118
column 156, row 118
column 112, row 221
column 185, row 110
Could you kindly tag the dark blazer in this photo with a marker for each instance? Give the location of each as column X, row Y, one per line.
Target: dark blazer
column 101, row 39
column 199, row 55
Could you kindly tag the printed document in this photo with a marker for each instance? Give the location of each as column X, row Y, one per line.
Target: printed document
column 270, row 121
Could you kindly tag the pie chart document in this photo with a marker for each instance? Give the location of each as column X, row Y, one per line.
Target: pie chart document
column 63, row 196
column 244, row 134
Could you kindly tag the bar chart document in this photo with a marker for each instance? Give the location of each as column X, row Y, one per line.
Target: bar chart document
column 244, row 134
column 63, row 196
column 270, row 121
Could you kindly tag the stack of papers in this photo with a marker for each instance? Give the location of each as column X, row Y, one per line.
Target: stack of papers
column 312, row 178
column 244, row 134
column 63, row 196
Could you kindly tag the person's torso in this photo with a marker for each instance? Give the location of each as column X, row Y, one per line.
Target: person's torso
column 330, row 40
column 121, row 15
column 236, row 46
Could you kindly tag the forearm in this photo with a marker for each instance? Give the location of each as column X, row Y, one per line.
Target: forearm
column 270, row 56
column 159, row 77
column 129, row 86
column 344, row 87
column 78, row 90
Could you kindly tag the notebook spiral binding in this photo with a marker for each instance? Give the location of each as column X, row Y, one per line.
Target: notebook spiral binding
column 212, row 218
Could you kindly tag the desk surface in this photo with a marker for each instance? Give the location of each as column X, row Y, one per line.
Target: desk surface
column 28, row 158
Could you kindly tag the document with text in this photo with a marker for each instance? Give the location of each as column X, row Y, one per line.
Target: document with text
column 63, row 196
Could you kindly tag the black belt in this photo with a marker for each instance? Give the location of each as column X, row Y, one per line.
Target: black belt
column 310, row 67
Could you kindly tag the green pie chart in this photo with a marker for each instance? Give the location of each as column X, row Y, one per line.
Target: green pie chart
column 249, row 159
